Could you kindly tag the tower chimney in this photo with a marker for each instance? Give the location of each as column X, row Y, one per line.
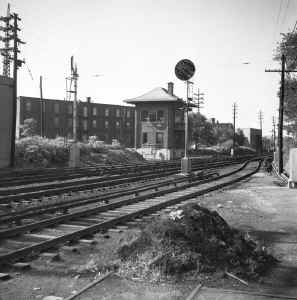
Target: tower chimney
column 88, row 99
column 170, row 88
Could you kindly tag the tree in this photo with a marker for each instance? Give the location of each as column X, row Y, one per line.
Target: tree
column 288, row 47
column 29, row 128
column 223, row 134
column 200, row 130
column 240, row 138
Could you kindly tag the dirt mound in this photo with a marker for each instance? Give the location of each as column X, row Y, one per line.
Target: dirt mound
column 192, row 238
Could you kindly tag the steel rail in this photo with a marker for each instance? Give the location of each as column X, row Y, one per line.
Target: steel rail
column 80, row 185
column 72, row 173
column 62, row 175
column 115, row 217
column 68, row 204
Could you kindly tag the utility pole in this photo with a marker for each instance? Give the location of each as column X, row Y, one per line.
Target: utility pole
column 200, row 100
column 42, row 105
column 6, row 39
column 11, row 33
column 74, row 160
column 273, row 133
column 199, row 97
column 281, row 110
column 73, row 78
column 260, row 115
column 234, row 109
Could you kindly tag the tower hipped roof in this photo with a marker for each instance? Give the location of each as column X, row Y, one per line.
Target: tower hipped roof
column 158, row 94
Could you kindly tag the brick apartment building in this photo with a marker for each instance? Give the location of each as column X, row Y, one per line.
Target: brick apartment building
column 106, row 121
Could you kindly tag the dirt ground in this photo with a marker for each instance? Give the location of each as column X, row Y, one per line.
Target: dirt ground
column 259, row 206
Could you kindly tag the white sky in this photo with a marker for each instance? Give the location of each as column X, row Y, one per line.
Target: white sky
column 135, row 45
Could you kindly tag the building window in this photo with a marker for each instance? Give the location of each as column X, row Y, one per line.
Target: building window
column 94, row 111
column 85, row 124
column 56, row 108
column 28, row 106
column 106, row 124
column 106, row 112
column 179, row 117
column 85, row 111
column 94, row 123
column 69, row 123
column 117, row 124
column 70, row 108
column 159, row 138
column 56, row 121
column 128, row 113
column 153, row 116
column 144, row 138
column 118, row 112
column 128, row 124
column 160, row 115
column 144, row 115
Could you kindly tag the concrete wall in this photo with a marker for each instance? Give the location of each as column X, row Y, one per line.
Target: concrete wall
column 5, row 120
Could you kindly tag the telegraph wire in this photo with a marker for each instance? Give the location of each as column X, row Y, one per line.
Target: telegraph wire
column 285, row 13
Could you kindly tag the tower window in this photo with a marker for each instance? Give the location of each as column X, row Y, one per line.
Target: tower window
column 160, row 138
column 144, row 138
column 144, row 115
column 56, row 108
column 85, row 111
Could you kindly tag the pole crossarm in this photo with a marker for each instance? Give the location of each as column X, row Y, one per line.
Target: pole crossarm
column 279, row 71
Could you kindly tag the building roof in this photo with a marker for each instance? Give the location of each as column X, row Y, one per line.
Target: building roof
column 157, row 94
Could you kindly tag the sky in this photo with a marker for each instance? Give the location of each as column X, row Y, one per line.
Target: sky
column 124, row 49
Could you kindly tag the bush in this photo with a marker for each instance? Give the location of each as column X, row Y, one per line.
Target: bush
column 36, row 151
column 41, row 152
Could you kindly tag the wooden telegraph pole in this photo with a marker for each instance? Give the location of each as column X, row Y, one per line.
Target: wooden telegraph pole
column 261, row 123
column 11, row 33
column 234, row 110
column 281, row 110
column 273, row 133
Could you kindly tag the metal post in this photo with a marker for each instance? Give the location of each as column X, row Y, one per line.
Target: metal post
column 75, row 105
column 14, row 92
column 281, row 114
column 186, row 121
column 261, row 123
column 234, row 130
column 42, row 113
column 185, row 161
column 135, row 128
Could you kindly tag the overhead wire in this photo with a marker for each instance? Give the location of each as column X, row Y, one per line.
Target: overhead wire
column 285, row 13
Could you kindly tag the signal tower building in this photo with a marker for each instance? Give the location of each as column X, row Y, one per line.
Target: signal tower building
column 159, row 124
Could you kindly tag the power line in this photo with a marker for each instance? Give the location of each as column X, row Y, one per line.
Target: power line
column 285, row 13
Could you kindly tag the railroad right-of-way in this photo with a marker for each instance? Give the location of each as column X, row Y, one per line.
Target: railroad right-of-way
column 22, row 237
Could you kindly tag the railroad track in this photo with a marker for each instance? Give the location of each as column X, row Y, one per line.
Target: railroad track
column 18, row 194
column 14, row 178
column 22, row 241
